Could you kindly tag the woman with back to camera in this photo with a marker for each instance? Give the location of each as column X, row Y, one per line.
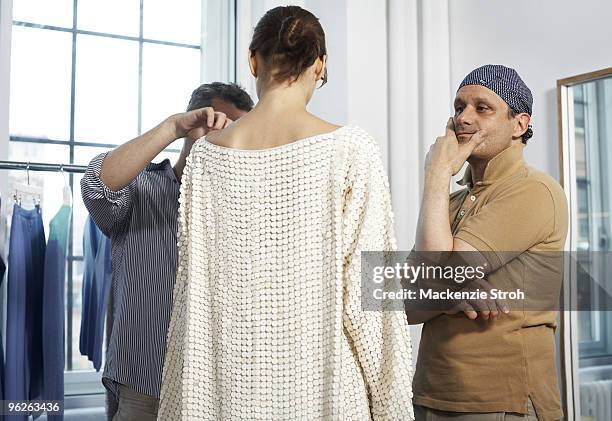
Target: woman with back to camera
column 267, row 322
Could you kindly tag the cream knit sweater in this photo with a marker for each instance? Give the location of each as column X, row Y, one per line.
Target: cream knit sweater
column 267, row 321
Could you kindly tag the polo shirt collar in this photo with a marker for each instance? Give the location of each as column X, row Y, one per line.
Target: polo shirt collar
column 499, row 167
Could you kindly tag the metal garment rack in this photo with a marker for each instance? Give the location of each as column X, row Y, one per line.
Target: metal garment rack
column 37, row 166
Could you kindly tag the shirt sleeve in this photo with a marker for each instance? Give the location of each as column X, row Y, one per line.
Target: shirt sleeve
column 380, row 339
column 109, row 209
column 511, row 223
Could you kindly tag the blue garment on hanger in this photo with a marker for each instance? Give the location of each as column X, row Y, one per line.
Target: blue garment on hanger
column 24, row 354
column 97, row 275
column 53, row 307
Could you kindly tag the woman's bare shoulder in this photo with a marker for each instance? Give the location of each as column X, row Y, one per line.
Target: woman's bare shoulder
column 324, row 125
column 220, row 137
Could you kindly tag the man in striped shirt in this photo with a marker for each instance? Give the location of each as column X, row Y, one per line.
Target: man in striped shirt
column 135, row 203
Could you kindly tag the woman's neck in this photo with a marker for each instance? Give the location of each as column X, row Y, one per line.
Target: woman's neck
column 282, row 98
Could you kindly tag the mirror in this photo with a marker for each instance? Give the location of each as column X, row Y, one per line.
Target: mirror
column 585, row 127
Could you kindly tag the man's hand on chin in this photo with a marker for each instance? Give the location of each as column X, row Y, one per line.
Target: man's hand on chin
column 446, row 155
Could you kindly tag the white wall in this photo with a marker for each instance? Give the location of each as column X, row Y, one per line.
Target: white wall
column 331, row 101
column 544, row 40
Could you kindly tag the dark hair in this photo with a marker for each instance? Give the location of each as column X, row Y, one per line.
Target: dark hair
column 227, row 92
column 528, row 133
column 290, row 39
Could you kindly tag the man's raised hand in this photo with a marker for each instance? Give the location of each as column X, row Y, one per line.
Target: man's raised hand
column 197, row 123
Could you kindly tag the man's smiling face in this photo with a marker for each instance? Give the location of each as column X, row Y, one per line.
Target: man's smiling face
column 479, row 108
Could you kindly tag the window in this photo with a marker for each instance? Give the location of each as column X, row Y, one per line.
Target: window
column 87, row 75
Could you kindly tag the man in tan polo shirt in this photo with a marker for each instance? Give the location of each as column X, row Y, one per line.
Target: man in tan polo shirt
column 501, row 365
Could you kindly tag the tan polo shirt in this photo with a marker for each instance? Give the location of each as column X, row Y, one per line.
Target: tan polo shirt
column 494, row 366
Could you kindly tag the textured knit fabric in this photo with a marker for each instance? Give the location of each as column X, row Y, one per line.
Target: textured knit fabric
column 267, row 322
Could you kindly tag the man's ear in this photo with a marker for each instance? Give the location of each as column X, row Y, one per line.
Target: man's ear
column 253, row 63
column 522, row 124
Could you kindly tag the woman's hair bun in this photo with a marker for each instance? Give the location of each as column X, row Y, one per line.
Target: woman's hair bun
column 290, row 33
column 291, row 39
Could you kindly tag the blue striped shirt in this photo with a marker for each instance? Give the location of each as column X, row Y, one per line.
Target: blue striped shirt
column 142, row 221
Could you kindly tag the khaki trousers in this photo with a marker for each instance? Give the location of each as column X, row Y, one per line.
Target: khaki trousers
column 423, row 413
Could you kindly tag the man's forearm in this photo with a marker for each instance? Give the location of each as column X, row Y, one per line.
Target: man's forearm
column 433, row 229
column 124, row 163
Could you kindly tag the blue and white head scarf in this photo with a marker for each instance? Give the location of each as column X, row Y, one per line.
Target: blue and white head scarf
column 507, row 84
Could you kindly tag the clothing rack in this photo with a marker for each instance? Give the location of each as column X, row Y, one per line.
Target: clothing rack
column 62, row 168
column 37, row 166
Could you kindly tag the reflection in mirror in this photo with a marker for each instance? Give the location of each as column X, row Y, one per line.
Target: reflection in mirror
column 589, row 120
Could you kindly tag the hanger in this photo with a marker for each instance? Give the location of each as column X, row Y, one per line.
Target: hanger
column 36, row 199
column 22, row 190
column 17, row 195
column 67, row 191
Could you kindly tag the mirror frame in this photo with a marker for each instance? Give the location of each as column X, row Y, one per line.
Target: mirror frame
column 569, row 356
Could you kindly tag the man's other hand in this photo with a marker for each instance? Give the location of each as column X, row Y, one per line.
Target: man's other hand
column 485, row 308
